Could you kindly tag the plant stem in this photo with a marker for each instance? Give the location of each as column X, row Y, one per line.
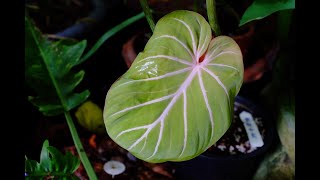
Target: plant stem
column 284, row 20
column 82, row 154
column 110, row 33
column 212, row 17
column 196, row 6
column 147, row 12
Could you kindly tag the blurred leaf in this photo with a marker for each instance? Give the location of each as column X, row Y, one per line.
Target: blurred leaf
column 276, row 165
column 286, row 122
column 49, row 71
column 263, row 8
column 90, row 116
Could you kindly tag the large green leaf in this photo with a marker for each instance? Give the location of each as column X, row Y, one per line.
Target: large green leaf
column 176, row 100
column 48, row 70
column 263, row 8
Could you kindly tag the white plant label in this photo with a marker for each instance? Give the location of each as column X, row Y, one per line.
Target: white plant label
column 252, row 130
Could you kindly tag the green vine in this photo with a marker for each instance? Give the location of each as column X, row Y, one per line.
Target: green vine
column 82, row 154
column 147, row 12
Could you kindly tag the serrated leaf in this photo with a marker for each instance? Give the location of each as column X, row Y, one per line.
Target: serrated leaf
column 63, row 163
column 73, row 162
column 176, row 100
column 61, row 166
column 49, row 71
column 58, row 162
column 32, row 166
column 262, row 8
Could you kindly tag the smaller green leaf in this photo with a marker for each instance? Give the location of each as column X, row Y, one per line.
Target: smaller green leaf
column 52, row 162
column 45, row 108
column 45, row 160
column 77, row 99
column 71, row 51
column 57, row 159
column 73, row 177
column 262, row 8
column 71, row 81
column 31, row 165
column 73, row 163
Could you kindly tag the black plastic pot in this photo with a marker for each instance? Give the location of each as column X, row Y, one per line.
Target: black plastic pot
column 78, row 29
column 232, row 167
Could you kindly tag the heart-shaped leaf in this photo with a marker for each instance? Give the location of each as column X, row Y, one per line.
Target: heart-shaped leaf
column 52, row 164
column 176, row 100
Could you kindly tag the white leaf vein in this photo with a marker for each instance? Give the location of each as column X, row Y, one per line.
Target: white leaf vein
column 163, row 115
column 185, row 123
column 170, row 74
column 220, row 54
column 144, row 104
column 167, row 57
column 205, row 97
column 177, row 40
column 223, row 65
column 218, row 80
column 191, row 34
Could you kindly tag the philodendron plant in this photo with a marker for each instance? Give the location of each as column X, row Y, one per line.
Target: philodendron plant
column 176, row 100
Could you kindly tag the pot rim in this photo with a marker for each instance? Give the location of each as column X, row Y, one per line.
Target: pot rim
column 268, row 139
